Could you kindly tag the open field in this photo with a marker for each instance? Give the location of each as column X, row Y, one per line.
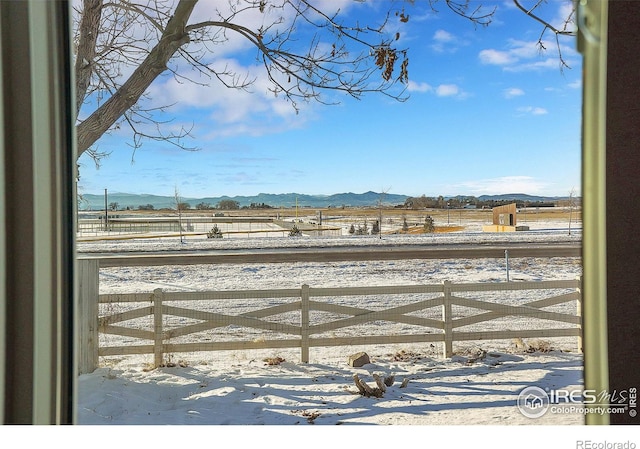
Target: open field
column 334, row 222
column 439, row 215
column 241, row 387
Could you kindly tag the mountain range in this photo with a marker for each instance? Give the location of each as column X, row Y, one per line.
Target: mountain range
column 285, row 200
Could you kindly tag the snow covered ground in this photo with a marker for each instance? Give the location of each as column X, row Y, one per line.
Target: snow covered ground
column 479, row 385
column 244, row 389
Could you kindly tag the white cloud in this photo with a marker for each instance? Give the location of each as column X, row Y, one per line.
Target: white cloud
column 577, row 84
column 526, row 56
column 513, row 92
column 504, row 185
column 496, row 57
column 542, row 64
column 443, row 36
column 198, row 94
column 532, row 110
column 447, row 90
column 224, row 111
column 444, row 41
column 412, row 86
column 442, row 90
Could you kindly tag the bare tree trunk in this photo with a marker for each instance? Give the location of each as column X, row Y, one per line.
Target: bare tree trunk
column 86, row 51
column 173, row 37
column 179, row 209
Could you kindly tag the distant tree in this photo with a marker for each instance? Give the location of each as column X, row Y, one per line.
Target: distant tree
column 428, row 224
column 362, row 229
column 405, row 225
column 184, row 206
column 146, row 207
column 203, row 206
column 295, row 231
column 376, row 225
column 453, row 203
column 179, row 204
column 411, row 203
column 114, row 206
column 260, row 206
column 423, row 202
column 228, row 205
column 214, row 233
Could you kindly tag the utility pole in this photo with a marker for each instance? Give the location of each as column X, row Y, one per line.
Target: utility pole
column 571, row 195
column 380, row 203
column 106, row 212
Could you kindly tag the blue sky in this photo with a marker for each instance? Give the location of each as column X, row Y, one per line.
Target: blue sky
column 487, row 114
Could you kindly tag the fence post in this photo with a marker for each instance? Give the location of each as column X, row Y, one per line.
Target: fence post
column 579, row 314
column 304, row 329
column 87, row 315
column 446, row 317
column 506, row 258
column 158, row 296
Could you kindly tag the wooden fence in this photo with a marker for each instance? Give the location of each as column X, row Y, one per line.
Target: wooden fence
column 307, row 317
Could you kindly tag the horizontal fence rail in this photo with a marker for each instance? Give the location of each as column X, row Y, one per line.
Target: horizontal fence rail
column 162, row 323
column 332, row 254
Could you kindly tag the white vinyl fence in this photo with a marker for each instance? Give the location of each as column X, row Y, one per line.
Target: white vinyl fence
column 162, row 323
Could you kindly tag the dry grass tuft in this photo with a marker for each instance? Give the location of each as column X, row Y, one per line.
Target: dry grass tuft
column 543, row 346
column 273, row 361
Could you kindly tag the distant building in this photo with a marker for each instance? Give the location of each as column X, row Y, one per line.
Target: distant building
column 505, row 220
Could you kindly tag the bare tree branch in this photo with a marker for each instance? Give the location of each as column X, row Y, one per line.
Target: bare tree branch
column 122, row 46
column 547, row 26
column 173, row 37
column 463, row 8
